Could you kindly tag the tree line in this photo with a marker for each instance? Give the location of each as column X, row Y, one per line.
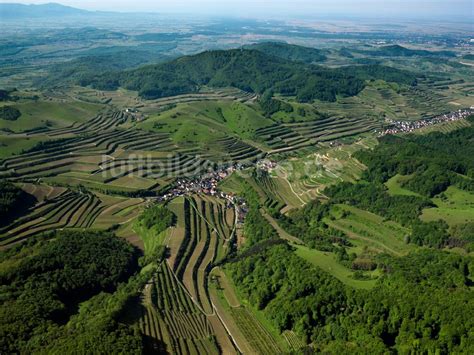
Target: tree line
column 46, row 278
column 248, row 70
column 422, row 303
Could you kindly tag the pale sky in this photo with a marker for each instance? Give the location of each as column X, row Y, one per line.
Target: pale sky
column 382, row 8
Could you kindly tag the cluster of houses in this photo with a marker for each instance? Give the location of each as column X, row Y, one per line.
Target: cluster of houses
column 207, row 185
column 136, row 115
column 409, row 126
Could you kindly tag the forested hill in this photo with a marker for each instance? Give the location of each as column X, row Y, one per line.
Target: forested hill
column 399, row 51
column 289, row 51
column 248, row 70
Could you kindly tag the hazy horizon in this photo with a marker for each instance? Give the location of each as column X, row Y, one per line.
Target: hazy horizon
column 280, row 8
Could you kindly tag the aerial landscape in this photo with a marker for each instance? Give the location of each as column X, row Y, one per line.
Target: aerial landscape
column 238, row 177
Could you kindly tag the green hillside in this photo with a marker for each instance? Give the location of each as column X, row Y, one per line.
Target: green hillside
column 399, row 51
column 248, row 70
column 289, row 51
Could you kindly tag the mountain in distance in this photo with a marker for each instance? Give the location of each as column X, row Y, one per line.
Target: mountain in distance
column 399, row 51
column 289, row 51
column 16, row 11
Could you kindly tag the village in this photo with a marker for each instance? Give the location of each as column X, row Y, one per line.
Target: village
column 410, row 126
column 207, row 184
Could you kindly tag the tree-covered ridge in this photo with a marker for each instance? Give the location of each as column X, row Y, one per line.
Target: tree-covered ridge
column 45, row 279
column 13, row 201
column 400, row 51
column 435, row 161
column 307, row 223
column 289, row 51
column 421, row 304
column 248, row 70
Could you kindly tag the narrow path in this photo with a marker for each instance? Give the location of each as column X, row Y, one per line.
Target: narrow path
column 282, row 233
column 285, row 177
column 369, row 240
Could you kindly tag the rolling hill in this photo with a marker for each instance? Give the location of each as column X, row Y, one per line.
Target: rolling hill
column 248, row 70
column 289, row 51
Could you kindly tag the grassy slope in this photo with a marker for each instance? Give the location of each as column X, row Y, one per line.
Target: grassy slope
column 309, row 175
column 327, row 262
column 56, row 114
column 201, row 122
column 12, row 145
column 394, row 186
column 456, row 208
column 371, row 229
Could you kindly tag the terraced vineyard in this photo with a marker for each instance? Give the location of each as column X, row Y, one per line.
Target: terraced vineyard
column 69, row 209
column 234, row 149
column 293, row 340
column 172, row 321
column 59, row 208
column 102, row 156
column 177, row 311
column 262, row 342
column 380, row 100
column 444, row 127
column 231, row 94
column 207, row 231
column 309, row 175
column 292, row 136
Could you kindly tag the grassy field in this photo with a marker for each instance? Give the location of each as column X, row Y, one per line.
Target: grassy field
column 327, row 262
column 454, row 206
column 11, row 145
column 151, row 240
column 49, row 114
column 394, row 186
column 370, row 229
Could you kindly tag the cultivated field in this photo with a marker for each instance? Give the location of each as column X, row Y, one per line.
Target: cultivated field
column 370, row 229
column 186, row 321
column 59, row 208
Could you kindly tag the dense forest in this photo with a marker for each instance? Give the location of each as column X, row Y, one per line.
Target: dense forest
column 80, row 70
column 9, row 113
column 46, row 278
column 434, row 161
column 289, row 51
column 157, row 217
column 13, row 202
column 307, row 223
column 421, row 304
column 248, row 70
